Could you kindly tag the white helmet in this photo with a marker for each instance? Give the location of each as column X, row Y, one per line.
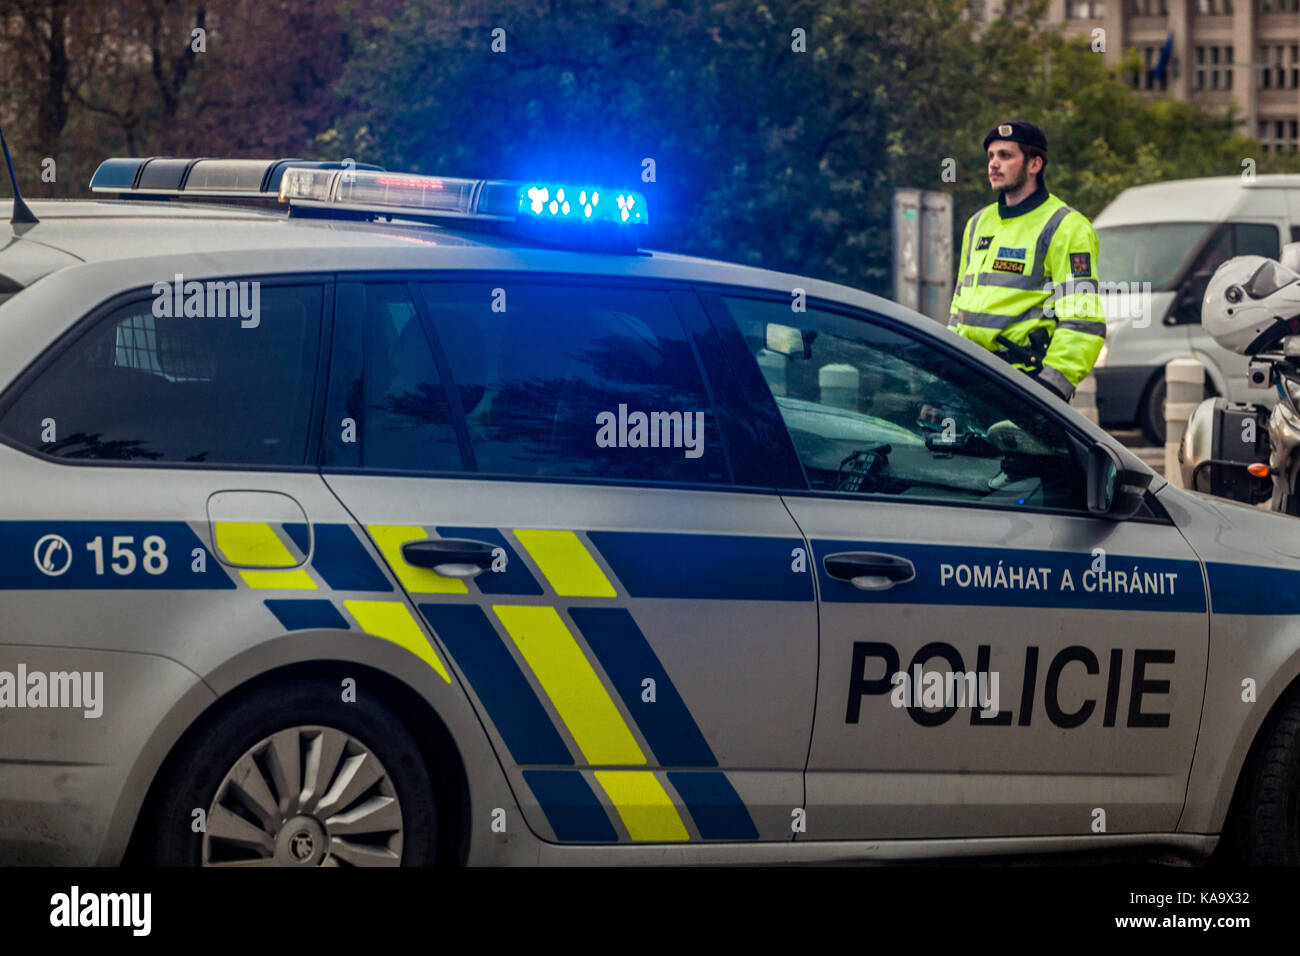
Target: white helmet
column 1251, row 303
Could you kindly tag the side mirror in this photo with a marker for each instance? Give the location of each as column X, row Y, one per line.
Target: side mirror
column 1113, row 491
column 1291, row 256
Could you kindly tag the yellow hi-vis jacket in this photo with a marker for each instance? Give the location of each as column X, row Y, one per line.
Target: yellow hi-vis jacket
column 1027, row 267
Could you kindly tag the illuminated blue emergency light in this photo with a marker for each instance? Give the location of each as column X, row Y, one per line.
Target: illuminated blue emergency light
column 582, row 204
column 565, row 213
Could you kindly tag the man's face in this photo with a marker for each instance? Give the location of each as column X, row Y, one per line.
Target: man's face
column 1006, row 166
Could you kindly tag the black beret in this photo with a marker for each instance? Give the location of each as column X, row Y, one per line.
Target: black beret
column 1018, row 131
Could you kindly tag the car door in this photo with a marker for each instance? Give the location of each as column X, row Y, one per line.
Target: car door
column 995, row 661
column 541, row 466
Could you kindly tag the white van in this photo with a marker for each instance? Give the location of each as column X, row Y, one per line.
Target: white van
column 1173, row 236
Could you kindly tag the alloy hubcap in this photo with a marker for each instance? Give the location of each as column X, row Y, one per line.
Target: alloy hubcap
column 305, row 796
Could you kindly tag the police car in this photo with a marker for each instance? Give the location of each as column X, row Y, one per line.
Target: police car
column 435, row 520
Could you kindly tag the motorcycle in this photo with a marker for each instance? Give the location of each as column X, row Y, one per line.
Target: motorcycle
column 1241, row 450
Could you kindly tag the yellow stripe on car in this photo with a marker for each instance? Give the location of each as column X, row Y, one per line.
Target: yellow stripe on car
column 643, row 805
column 391, row 620
column 571, row 683
column 252, row 543
column 295, row 580
column 566, row 562
column 256, row 543
column 389, row 538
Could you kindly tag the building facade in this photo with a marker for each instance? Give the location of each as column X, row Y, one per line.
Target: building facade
column 1243, row 52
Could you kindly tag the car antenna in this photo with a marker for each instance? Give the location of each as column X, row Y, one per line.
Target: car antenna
column 21, row 212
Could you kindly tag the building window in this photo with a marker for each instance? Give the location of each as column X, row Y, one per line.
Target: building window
column 1278, row 135
column 1280, row 67
column 1149, row 8
column 1214, row 8
column 1279, row 6
column 1213, row 68
column 1085, row 9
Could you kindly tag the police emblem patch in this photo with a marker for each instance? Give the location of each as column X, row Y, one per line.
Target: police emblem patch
column 983, row 242
column 1004, row 129
column 1081, row 263
column 1008, row 265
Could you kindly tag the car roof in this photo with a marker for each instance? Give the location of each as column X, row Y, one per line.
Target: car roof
column 1210, row 199
column 203, row 234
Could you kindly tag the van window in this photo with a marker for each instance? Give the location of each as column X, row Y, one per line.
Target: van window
column 1234, row 239
column 1154, row 252
column 1257, row 239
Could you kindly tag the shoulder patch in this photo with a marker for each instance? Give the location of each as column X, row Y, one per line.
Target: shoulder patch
column 984, row 242
column 1081, row 263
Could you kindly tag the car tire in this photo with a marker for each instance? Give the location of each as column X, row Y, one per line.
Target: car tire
column 1266, row 828
column 358, row 773
column 1151, row 411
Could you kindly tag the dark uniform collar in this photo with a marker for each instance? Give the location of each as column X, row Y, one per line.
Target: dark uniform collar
column 1028, row 204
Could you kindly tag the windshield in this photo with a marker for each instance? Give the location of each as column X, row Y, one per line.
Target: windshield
column 1155, row 252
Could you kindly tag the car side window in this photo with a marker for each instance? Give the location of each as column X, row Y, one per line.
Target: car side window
column 145, row 384
column 876, row 412
column 576, row 381
column 387, row 408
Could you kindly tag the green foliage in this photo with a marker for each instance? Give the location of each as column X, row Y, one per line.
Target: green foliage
column 762, row 154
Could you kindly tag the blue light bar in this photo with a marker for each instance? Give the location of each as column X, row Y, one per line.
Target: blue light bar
column 554, row 210
column 582, row 204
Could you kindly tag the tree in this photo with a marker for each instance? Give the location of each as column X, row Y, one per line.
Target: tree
column 81, row 81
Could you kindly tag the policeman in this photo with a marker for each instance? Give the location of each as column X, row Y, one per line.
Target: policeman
column 1027, row 288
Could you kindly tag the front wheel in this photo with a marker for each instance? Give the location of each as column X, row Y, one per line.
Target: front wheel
column 292, row 776
column 1266, row 831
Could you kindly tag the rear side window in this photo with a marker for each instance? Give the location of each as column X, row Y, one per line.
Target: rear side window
column 228, row 388
column 575, row 381
column 388, row 408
